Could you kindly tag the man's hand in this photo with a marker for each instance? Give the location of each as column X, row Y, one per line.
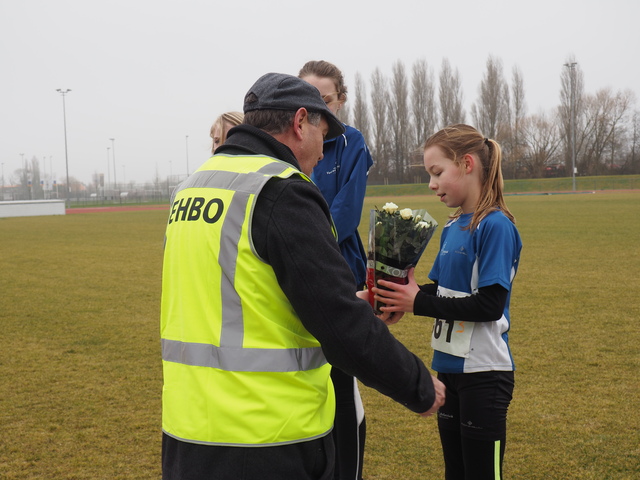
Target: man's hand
column 363, row 295
column 440, row 394
column 389, row 318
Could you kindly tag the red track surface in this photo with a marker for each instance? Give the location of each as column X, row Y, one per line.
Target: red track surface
column 122, row 208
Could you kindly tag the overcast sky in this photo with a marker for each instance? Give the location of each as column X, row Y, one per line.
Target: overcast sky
column 150, row 73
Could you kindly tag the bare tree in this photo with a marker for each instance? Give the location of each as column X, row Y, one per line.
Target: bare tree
column 380, row 127
column 361, row 119
column 344, row 114
column 632, row 161
column 422, row 102
column 604, row 113
column 450, row 96
column 75, row 189
column 36, row 189
column 399, row 121
column 24, row 173
column 542, row 140
column 491, row 110
column 621, row 126
column 518, row 113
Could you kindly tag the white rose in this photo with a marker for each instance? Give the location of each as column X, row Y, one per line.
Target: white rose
column 406, row 213
column 390, row 207
column 424, row 224
column 418, row 218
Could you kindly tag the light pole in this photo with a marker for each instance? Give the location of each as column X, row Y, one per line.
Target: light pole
column 113, row 153
column 187, row 150
column 572, row 124
column 66, row 156
column 43, row 181
column 108, row 171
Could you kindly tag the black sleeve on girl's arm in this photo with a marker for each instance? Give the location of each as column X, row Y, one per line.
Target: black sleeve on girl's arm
column 429, row 288
column 485, row 306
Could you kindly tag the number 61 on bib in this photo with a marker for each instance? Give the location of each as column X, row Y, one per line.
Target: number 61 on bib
column 452, row 337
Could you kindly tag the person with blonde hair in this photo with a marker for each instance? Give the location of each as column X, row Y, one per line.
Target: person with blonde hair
column 221, row 127
column 469, row 299
column 341, row 176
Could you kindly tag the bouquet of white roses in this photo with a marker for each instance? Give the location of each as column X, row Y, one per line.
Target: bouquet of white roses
column 397, row 239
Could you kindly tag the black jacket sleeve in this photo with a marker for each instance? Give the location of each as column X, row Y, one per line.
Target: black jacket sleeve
column 485, row 306
column 292, row 233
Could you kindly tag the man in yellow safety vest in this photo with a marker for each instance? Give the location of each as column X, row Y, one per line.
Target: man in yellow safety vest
column 257, row 302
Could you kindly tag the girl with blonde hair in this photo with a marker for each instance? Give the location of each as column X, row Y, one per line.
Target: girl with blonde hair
column 469, row 299
column 222, row 125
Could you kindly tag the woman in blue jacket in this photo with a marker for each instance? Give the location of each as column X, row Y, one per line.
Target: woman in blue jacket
column 341, row 176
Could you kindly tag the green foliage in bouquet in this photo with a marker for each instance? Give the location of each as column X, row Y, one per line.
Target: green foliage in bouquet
column 401, row 235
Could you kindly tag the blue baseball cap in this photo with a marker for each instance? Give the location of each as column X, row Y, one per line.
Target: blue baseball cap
column 279, row 91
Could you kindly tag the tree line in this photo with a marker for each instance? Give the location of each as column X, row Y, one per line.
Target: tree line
column 405, row 107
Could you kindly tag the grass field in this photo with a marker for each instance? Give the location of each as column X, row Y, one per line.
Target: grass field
column 80, row 359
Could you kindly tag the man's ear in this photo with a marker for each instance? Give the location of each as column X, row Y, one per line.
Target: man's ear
column 300, row 120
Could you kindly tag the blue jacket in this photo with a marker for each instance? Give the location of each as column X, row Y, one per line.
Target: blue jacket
column 341, row 176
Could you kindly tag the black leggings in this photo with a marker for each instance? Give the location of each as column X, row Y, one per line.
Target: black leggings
column 473, row 424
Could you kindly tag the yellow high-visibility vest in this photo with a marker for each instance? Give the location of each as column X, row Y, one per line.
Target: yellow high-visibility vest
column 239, row 367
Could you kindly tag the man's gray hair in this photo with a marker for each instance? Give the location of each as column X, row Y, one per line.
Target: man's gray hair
column 275, row 122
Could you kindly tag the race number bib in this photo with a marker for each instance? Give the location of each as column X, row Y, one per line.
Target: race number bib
column 452, row 337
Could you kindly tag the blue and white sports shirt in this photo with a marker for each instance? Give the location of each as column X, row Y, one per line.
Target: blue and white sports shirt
column 468, row 261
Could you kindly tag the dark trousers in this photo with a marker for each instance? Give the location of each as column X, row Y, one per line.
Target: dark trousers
column 348, row 433
column 312, row 460
column 473, row 423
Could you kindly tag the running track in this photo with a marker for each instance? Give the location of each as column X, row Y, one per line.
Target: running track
column 122, row 208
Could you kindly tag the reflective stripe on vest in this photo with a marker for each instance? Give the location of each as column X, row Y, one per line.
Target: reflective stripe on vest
column 242, row 360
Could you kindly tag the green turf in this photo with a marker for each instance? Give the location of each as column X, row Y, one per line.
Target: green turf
column 80, row 357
